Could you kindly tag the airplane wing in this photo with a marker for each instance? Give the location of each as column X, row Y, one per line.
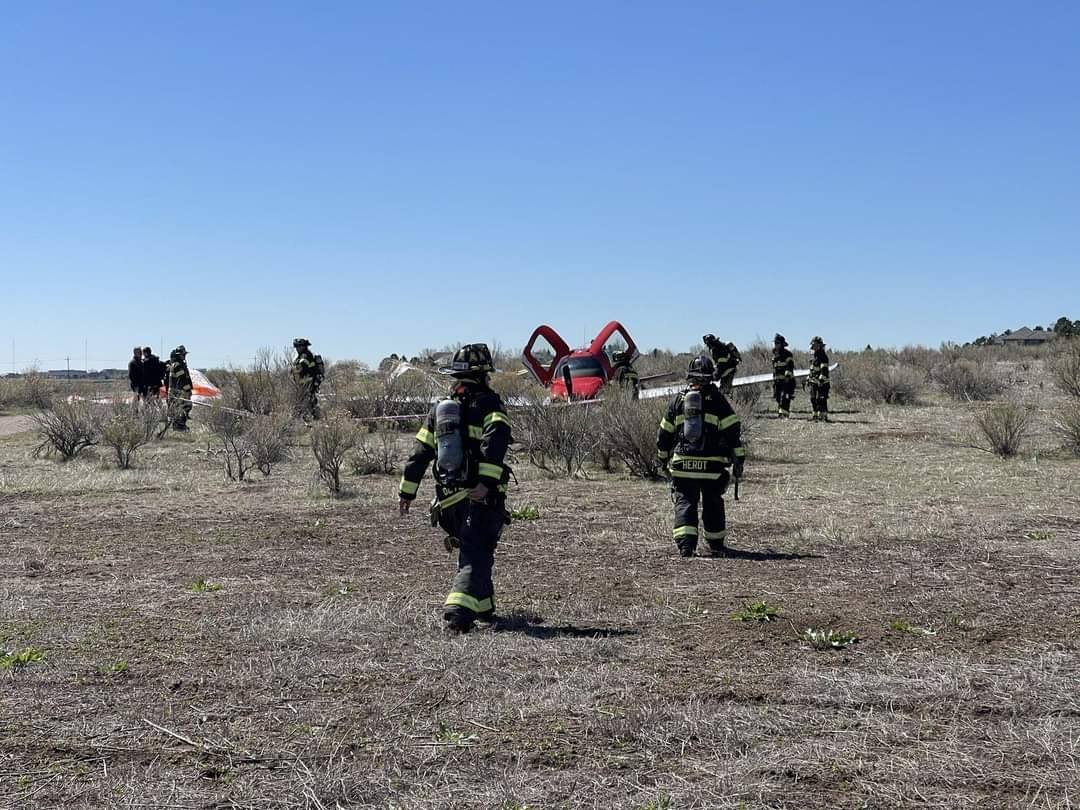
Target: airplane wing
column 753, row 379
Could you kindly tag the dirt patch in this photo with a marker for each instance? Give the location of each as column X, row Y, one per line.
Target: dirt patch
column 12, row 425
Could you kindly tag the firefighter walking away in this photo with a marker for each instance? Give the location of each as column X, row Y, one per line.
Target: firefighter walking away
column 783, row 376
column 819, row 380
column 467, row 435
column 698, row 440
column 726, row 359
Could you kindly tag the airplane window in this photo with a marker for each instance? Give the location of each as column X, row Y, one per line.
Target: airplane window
column 581, row 367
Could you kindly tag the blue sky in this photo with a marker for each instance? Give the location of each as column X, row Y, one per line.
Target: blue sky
column 391, row 176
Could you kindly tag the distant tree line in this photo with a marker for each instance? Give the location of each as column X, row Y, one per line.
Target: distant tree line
column 1062, row 327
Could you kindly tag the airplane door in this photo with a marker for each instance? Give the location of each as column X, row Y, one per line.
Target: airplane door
column 543, row 352
column 614, row 337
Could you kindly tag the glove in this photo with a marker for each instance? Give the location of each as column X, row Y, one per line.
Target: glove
column 737, row 467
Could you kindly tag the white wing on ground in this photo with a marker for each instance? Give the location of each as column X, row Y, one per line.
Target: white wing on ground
column 738, row 382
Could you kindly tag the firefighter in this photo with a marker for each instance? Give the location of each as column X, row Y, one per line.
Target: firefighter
column 467, row 435
column 703, row 431
column 307, row 371
column 819, row 380
column 624, row 373
column 783, row 376
column 726, row 359
column 178, row 378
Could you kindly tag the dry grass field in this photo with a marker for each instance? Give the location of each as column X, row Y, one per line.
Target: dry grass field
column 211, row 644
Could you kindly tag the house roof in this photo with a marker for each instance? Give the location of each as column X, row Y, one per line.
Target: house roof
column 1029, row 334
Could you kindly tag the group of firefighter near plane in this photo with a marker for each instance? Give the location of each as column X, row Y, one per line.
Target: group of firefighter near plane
column 465, row 437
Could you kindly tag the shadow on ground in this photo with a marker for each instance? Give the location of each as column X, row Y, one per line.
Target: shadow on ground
column 532, row 625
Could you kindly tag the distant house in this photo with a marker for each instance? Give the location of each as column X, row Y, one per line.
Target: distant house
column 1026, row 337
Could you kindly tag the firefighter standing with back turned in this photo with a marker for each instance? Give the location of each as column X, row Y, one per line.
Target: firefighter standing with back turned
column 783, row 376
column 819, row 380
column 703, row 431
column 467, row 436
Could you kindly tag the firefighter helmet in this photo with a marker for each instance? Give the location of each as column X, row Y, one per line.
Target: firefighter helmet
column 470, row 360
column 301, row 343
column 779, row 340
column 701, row 369
column 817, row 342
column 709, row 340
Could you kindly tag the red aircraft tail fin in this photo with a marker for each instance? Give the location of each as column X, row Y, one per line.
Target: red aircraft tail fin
column 541, row 372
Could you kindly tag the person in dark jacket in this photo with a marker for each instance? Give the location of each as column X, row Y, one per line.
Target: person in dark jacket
column 698, row 439
column 135, row 374
column 153, row 374
column 726, row 359
column 467, row 435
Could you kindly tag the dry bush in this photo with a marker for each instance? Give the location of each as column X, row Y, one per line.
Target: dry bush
column 558, row 438
column 1001, row 428
column 332, row 440
column 265, row 437
column 31, row 389
column 967, row 380
column 127, row 426
column 378, row 452
column 265, row 387
column 515, row 388
column 875, row 377
column 1067, row 426
column 1065, row 366
column 68, row 428
column 228, row 426
column 385, row 394
column 628, row 433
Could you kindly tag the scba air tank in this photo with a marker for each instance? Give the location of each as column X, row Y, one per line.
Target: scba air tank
column 693, row 428
column 450, row 441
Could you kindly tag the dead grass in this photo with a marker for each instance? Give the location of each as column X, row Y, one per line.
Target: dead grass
column 318, row 674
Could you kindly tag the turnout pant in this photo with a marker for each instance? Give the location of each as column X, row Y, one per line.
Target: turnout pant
column 476, row 528
column 783, row 393
column 309, row 401
column 180, row 409
column 685, row 494
column 819, row 401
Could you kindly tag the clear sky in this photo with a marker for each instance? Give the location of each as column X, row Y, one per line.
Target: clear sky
column 388, row 176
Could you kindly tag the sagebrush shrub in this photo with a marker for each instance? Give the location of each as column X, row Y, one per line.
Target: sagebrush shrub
column 1065, row 366
column 965, row 380
column 1002, row 428
column 68, row 428
column 332, row 440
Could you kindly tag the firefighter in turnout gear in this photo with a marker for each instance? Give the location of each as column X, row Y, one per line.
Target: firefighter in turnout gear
column 783, row 376
column 178, row 380
column 726, row 359
column 467, row 436
column 819, row 380
column 699, row 439
column 307, row 371
column 624, row 374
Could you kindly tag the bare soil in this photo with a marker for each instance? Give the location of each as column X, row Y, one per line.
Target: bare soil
column 210, row 644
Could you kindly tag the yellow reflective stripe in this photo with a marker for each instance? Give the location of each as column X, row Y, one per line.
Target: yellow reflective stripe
column 476, row 432
column 459, row 599
column 456, row 498
column 426, row 437
column 712, row 419
column 489, row 470
column 677, row 457
column 407, row 487
column 496, row 416
column 684, row 531
column 662, row 454
column 704, row 476
column 728, row 421
column 720, row 535
column 740, row 452
column 666, row 426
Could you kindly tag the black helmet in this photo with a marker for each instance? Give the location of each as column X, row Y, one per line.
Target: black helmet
column 470, row 360
column 301, row 343
column 779, row 340
column 618, row 357
column 701, row 369
column 709, row 340
column 816, row 341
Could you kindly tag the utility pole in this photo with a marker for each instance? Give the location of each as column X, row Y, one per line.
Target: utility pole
column 68, row 361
